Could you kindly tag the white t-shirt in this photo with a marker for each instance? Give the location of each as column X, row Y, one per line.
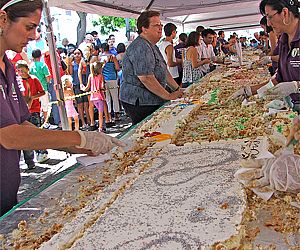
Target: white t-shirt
column 207, row 51
column 162, row 47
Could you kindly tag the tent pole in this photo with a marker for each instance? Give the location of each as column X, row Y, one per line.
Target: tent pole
column 55, row 69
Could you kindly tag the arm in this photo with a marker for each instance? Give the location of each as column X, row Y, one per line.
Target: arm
column 88, row 84
column 254, row 88
column 273, row 41
column 117, row 66
column 151, row 83
column 69, row 65
column 231, row 49
column 169, row 52
column 27, row 136
column 38, row 95
column 171, row 82
column 80, row 72
column 193, row 54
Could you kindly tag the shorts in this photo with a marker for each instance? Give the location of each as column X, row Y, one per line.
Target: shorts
column 99, row 104
column 44, row 102
column 78, row 91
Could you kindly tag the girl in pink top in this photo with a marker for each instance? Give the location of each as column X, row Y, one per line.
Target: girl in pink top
column 96, row 85
column 69, row 101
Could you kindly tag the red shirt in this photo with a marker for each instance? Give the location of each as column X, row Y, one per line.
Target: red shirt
column 48, row 63
column 32, row 87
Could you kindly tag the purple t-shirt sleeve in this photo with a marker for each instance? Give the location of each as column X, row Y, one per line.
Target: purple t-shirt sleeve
column 13, row 108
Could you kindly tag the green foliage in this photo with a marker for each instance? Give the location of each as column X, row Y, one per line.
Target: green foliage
column 109, row 24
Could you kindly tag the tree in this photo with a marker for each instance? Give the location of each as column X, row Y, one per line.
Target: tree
column 81, row 27
column 110, row 24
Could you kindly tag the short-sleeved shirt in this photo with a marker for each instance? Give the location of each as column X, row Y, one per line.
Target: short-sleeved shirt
column 178, row 50
column 48, row 63
column 41, row 71
column 32, row 87
column 13, row 110
column 289, row 63
column 142, row 58
column 207, row 51
column 223, row 42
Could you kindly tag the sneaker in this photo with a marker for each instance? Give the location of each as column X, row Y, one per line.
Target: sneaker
column 85, row 127
column 42, row 157
column 110, row 124
column 46, row 125
column 31, row 167
column 101, row 130
column 93, row 127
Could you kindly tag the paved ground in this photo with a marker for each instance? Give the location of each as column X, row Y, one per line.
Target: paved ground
column 59, row 164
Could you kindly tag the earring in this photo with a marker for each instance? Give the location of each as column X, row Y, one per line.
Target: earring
column 285, row 22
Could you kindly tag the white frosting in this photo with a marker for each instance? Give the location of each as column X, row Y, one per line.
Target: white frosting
column 174, row 204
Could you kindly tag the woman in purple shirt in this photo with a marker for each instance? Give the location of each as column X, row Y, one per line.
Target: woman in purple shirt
column 283, row 17
column 18, row 22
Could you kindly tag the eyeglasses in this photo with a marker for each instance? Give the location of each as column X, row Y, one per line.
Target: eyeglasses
column 269, row 17
column 158, row 25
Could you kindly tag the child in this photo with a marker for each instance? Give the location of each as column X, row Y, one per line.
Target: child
column 96, row 84
column 41, row 71
column 33, row 90
column 69, row 102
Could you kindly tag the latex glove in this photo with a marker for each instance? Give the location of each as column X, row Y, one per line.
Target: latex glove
column 284, row 89
column 295, row 131
column 242, row 92
column 98, row 142
column 265, row 60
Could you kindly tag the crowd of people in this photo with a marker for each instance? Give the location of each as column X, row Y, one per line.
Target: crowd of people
column 97, row 75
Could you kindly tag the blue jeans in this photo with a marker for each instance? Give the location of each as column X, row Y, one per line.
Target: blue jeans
column 55, row 111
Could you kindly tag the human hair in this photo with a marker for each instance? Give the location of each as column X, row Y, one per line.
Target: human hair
column 199, row 29
column 96, row 68
column 208, row 32
column 105, row 46
column 183, row 37
column 193, row 39
column 37, row 53
column 292, row 5
column 20, row 9
column 110, row 36
column 66, row 78
column 221, row 32
column 121, row 48
column 22, row 64
column 144, row 19
column 264, row 22
column 94, row 33
column 80, row 51
column 169, row 28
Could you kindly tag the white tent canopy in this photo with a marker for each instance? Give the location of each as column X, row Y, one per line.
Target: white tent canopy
column 217, row 14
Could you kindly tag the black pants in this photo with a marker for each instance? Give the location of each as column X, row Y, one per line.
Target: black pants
column 138, row 113
column 35, row 119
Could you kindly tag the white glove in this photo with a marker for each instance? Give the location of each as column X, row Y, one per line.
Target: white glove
column 284, row 89
column 98, row 142
column 265, row 60
column 242, row 92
